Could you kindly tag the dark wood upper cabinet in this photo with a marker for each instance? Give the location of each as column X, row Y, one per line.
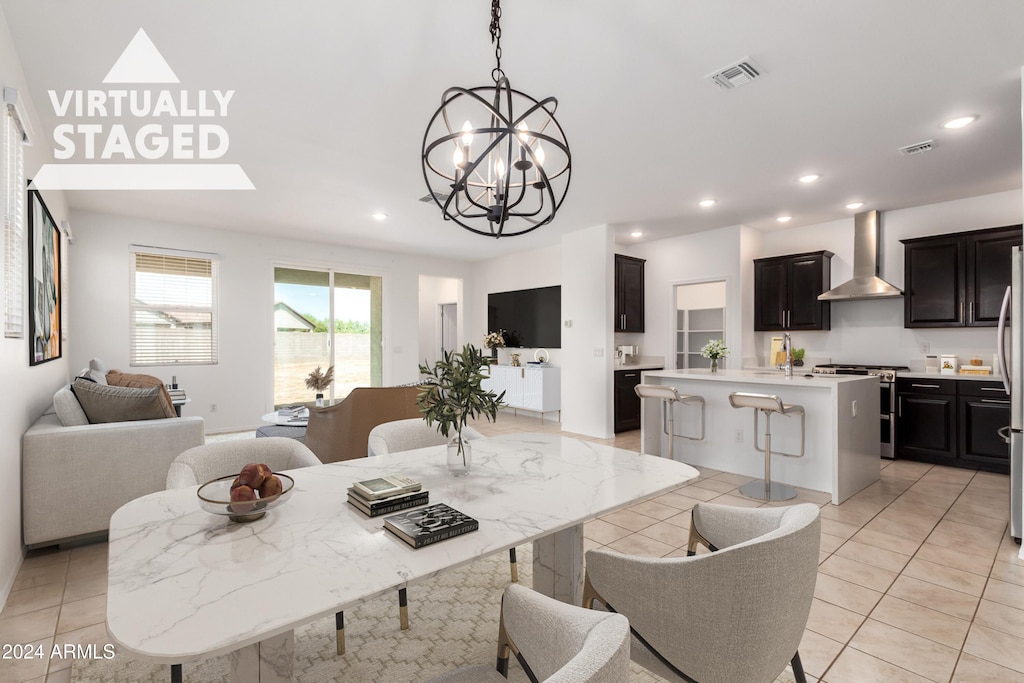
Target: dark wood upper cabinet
column 629, row 294
column 958, row 280
column 786, row 290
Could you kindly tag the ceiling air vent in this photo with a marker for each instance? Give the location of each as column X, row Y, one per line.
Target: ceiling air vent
column 919, row 148
column 735, row 75
column 428, row 198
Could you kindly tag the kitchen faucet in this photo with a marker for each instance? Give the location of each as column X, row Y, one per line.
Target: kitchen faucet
column 787, row 345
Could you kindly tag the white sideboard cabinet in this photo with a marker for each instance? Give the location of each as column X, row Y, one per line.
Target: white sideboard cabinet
column 530, row 387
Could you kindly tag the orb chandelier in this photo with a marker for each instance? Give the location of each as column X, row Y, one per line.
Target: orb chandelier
column 495, row 159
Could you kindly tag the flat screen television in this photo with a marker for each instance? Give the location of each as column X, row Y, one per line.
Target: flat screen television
column 530, row 318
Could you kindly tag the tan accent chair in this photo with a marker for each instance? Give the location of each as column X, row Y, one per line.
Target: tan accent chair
column 554, row 642
column 735, row 614
column 340, row 432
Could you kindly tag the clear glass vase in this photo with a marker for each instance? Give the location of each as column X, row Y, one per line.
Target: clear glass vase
column 460, row 456
column 714, row 365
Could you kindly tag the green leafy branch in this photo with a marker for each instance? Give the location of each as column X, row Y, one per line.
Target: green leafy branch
column 452, row 394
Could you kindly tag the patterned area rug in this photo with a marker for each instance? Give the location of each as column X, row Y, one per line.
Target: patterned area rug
column 453, row 622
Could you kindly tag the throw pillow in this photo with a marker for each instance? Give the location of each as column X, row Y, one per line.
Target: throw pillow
column 97, row 371
column 69, row 410
column 119, row 404
column 116, row 378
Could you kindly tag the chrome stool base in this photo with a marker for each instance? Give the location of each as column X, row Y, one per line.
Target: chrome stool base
column 776, row 491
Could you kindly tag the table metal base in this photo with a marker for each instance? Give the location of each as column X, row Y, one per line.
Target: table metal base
column 756, row 490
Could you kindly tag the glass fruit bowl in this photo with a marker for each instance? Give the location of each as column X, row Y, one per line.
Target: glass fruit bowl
column 215, row 496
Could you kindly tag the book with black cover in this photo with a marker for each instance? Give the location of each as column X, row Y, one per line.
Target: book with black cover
column 375, row 508
column 431, row 524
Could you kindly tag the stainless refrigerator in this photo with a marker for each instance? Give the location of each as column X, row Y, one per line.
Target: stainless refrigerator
column 1011, row 368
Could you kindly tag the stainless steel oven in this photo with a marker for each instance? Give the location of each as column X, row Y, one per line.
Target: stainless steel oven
column 886, row 397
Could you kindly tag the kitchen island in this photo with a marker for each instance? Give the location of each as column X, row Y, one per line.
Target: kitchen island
column 841, row 455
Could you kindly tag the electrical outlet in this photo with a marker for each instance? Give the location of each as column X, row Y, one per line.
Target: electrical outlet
column 213, row 407
column 598, row 353
column 853, row 409
column 739, row 436
column 925, row 347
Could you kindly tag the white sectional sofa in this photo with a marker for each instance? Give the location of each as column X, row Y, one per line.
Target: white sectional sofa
column 74, row 478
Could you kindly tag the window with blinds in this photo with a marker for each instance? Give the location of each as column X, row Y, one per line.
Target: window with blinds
column 172, row 308
column 13, row 208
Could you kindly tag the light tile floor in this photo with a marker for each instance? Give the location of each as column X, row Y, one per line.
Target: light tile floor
column 918, row 579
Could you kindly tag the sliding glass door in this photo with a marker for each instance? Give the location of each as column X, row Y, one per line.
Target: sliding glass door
column 324, row 318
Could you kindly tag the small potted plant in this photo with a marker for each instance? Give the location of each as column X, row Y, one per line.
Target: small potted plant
column 319, row 381
column 494, row 341
column 451, row 395
column 714, row 350
column 798, row 357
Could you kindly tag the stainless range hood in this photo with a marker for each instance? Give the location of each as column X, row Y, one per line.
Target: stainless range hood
column 865, row 283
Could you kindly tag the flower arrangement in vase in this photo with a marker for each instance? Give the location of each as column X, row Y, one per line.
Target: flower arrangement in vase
column 452, row 394
column 319, row 381
column 714, row 350
column 495, row 341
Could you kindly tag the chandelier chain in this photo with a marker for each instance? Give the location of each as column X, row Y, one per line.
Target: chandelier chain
column 497, row 74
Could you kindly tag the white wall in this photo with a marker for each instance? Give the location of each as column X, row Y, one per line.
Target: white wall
column 28, row 390
column 434, row 291
column 241, row 384
column 588, row 290
column 872, row 331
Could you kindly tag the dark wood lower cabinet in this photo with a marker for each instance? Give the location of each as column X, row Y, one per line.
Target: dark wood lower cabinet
column 627, row 403
column 952, row 422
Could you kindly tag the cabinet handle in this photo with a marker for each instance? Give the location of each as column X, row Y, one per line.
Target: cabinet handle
column 994, row 400
column 962, row 312
column 899, row 407
column 970, row 311
column 522, row 373
column 632, row 374
column 925, row 386
column 789, row 318
column 999, row 389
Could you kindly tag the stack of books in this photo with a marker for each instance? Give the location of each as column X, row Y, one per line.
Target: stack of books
column 430, row 524
column 177, row 395
column 385, row 495
column 295, row 413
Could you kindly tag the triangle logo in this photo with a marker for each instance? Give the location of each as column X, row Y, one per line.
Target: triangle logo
column 141, row 62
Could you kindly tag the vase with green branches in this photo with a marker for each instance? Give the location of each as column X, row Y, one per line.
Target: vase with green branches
column 319, row 381
column 452, row 394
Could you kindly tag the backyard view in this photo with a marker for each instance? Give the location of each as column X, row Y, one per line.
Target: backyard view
column 303, row 337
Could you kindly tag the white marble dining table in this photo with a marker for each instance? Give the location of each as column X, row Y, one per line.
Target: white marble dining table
column 185, row 585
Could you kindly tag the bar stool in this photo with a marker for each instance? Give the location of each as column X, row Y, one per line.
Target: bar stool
column 767, row 489
column 669, row 397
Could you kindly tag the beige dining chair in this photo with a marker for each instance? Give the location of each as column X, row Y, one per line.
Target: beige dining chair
column 553, row 642
column 201, row 464
column 735, row 614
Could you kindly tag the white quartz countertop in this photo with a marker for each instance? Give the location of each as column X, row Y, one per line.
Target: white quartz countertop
column 935, row 375
column 640, row 366
column 766, row 376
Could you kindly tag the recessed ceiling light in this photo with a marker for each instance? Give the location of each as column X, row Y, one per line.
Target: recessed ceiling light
column 784, row 219
column 636, row 233
column 959, row 122
column 379, row 215
column 707, row 202
column 809, row 178
column 854, row 205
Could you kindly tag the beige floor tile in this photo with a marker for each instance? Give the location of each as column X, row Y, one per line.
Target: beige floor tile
column 831, row 544
column 848, row 515
column 1009, row 550
column 957, row 579
column 951, row 557
column 877, row 557
column 32, row 664
column 845, row 594
column 981, row 506
column 635, row 544
column 45, row 556
column 817, row 652
column 973, row 669
column 32, row 599
column 655, row 510
column 925, row 622
column 734, row 479
column 93, row 563
column 915, row 504
column 976, row 520
column 603, row 532
column 31, row 577
column 737, row 501
column 917, row 497
column 833, row 621
column 82, row 613
column 1001, row 617
column 990, row 480
column 30, row 626
column 906, row 650
column 862, row 574
column 822, row 556
column 589, row 544
column 667, row 533
column 1004, row 592
column 969, row 539
column 995, row 646
column 90, row 635
column 926, row 594
column 697, row 492
column 62, row 676
column 880, row 539
column 854, row 666
column 629, row 519
column 715, row 485
column 915, row 531
column 681, row 520
column 677, row 500
column 1010, row 573
column 840, row 529
column 87, row 586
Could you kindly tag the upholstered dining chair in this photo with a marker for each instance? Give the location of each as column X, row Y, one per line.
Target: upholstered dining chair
column 554, row 642
column 200, row 464
column 735, row 614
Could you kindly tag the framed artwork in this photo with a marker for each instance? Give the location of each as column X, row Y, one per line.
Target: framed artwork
column 44, row 280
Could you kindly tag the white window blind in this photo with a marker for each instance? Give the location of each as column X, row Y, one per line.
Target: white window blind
column 172, row 308
column 13, row 199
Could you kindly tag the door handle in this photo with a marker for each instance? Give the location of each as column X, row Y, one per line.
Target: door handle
column 1004, row 371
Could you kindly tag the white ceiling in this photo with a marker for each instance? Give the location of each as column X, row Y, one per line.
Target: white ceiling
column 332, row 99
